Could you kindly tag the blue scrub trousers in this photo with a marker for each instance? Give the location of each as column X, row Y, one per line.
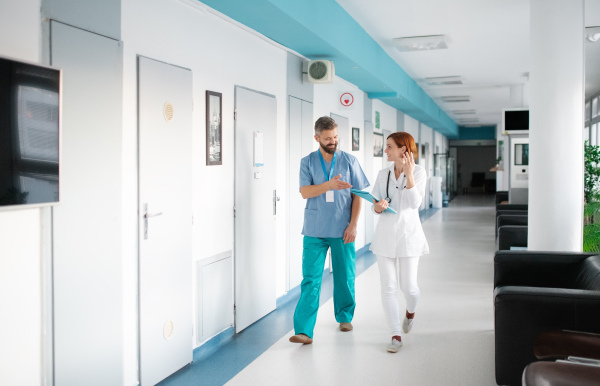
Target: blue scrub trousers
column 343, row 258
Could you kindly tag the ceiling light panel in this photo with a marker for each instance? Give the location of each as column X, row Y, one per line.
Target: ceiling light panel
column 456, row 98
column 443, row 80
column 468, row 120
column 421, row 43
column 463, row 112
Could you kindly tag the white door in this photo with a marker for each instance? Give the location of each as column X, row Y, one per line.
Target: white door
column 344, row 142
column 165, row 218
column 300, row 145
column 87, row 225
column 255, row 205
column 385, row 162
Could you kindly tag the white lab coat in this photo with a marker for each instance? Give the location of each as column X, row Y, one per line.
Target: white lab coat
column 400, row 235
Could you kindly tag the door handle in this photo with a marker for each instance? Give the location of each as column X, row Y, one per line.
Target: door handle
column 275, row 199
column 146, row 217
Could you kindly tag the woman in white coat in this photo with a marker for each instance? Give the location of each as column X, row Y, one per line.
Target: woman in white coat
column 399, row 240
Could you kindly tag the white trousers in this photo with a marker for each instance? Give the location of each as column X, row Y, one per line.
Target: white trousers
column 407, row 267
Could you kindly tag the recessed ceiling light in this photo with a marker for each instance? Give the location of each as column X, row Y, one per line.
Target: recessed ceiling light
column 473, row 126
column 466, row 120
column 463, row 112
column 443, row 80
column 420, row 43
column 456, row 98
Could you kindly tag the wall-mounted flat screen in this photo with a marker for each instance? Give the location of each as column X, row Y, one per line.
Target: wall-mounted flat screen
column 516, row 120
column 29, row 134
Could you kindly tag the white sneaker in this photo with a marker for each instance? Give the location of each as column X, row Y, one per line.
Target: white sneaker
column 394, row 346
column 407, row 324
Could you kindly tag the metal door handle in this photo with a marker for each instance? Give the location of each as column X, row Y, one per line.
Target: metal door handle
column 146, row 217
column 275, row 199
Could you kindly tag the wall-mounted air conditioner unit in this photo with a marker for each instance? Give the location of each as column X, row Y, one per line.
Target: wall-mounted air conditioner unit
column 320, row 71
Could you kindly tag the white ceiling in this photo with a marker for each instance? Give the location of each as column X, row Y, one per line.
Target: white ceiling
column 489, row 47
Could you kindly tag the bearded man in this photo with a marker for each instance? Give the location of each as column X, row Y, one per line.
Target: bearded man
column 330, row 221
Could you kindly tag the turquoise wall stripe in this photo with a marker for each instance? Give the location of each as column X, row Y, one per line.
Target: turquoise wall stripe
column 484, row 132
column 322, row 29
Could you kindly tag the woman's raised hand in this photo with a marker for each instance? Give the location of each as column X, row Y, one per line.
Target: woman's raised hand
column 380, row 205
column 408, row 163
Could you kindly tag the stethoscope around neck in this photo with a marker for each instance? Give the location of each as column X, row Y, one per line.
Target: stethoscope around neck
column 387, row 187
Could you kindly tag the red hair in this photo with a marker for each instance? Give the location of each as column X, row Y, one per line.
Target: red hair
column 402, row 138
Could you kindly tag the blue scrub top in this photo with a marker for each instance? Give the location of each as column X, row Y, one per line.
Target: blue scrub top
column 330, row 219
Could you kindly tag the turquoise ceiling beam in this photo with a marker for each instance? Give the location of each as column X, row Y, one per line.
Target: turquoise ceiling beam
column 322, row 29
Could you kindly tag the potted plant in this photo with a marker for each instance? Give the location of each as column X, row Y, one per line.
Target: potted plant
column 591, row 223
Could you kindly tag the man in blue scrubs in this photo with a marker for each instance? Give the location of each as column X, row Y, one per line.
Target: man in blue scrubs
column 330, row 221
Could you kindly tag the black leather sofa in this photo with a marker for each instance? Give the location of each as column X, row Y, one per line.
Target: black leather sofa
column 536, row 292
column 511, row 236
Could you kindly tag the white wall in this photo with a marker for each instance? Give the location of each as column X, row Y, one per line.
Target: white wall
column 20, row 298
column 411, row 126
column 427, row 139
column 21, row 257
column 220, row 55
column 439, row 142
column 387, row 119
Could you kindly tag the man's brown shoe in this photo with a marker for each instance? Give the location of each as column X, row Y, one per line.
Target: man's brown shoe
column 345, row 327
column 301, row 338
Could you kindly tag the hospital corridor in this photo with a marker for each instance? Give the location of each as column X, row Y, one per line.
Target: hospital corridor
column 452, row 342
column 299, row 192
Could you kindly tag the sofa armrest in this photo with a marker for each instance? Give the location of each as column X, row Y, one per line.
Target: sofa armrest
column 522, row 313
column 534, row 268
column 512, row 235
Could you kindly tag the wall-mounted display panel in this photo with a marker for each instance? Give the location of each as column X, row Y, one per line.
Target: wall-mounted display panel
column 29, row 134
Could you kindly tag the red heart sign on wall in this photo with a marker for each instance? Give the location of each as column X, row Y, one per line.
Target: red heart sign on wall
column 346, row 99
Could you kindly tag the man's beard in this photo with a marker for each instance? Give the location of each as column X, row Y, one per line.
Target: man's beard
column 328, row 149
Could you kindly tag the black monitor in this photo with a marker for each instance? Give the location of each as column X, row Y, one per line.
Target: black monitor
column 515, row 120
column 29, row 134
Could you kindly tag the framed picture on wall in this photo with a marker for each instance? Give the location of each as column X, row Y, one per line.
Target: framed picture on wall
column 355, row 138
column 377, row 145
column 214, row 132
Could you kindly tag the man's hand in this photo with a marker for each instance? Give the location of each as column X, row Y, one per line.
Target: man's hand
column 336, row 184
column 350, row 234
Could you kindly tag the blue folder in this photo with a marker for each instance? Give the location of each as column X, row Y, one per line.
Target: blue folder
column 369, row 197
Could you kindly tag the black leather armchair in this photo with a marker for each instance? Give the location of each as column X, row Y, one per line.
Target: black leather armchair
column 577, row 355
column 512, row 207
column 510, row 219
column 512, row 236
column 536, row 292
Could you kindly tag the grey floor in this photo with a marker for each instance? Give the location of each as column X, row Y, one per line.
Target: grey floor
column 452, row 342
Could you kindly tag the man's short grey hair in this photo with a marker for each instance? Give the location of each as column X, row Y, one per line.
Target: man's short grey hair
column 324, row 123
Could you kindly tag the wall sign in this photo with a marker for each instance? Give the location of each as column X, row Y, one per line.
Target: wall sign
column 346, row 101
